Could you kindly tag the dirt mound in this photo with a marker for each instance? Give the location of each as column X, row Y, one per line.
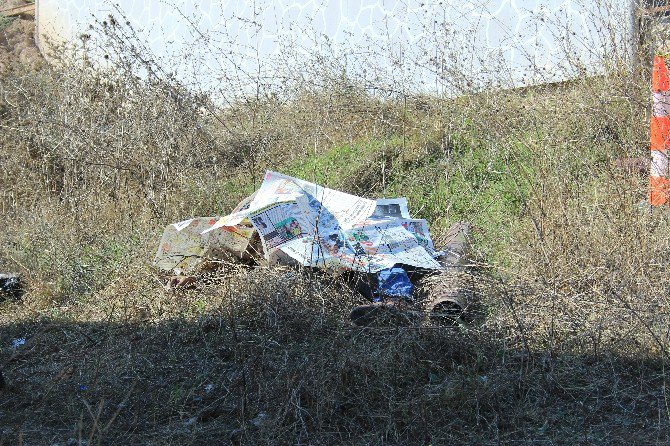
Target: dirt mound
column 18, row 51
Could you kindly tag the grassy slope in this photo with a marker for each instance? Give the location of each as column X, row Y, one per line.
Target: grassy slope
column 570, row 348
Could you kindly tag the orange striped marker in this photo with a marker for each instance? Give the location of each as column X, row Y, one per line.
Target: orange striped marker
column 659, row 184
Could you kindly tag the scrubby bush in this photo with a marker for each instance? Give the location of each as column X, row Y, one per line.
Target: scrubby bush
column 570, row 272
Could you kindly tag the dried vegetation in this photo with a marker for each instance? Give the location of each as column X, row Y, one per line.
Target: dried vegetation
column 569, row 346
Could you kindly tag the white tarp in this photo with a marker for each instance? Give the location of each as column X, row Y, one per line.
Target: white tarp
column 313, row 225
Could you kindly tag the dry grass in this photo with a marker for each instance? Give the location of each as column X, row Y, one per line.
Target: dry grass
column 267, row 358
column 570, row 346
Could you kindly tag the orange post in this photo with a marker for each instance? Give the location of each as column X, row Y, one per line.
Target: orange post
column 659, row 185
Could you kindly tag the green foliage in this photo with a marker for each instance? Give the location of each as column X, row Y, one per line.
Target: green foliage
column 486, row 185
column 66, row 270
column 210, row 197
column 5, row 22
column 338, row 165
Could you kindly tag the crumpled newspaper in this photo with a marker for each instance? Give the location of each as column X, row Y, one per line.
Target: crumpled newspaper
column 303, row 223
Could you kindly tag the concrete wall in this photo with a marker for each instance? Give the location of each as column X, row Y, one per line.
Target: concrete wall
column 417, row 43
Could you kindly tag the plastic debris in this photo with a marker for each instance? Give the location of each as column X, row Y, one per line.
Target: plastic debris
column 10, row 285
column 375, row 245
column 394, row 282
column 16, row 343
column 443, row 298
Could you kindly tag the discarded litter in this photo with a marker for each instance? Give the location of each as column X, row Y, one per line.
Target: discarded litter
column 289, row 221
column 10, row 285
column 301, row 223
column 16, row 343
column 260, row 419
column 394, row 282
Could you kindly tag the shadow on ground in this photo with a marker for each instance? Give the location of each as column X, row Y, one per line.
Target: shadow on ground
column 210, row 380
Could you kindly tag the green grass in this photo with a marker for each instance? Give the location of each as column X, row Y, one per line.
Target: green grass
column 484, row 185
column 339, row 164
column 5, row 22
column 73, row 271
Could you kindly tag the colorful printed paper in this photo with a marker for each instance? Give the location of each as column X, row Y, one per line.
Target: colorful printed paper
column 313, row 225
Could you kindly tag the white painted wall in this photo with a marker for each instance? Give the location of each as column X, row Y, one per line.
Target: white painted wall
column 389, row 43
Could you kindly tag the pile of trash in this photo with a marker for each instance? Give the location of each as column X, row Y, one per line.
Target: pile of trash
column 289, row 221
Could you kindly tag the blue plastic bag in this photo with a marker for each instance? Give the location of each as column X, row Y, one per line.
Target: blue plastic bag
column 394, row 282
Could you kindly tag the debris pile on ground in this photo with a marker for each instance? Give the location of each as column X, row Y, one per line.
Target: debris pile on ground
column 292, row 222
column 305, row 224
